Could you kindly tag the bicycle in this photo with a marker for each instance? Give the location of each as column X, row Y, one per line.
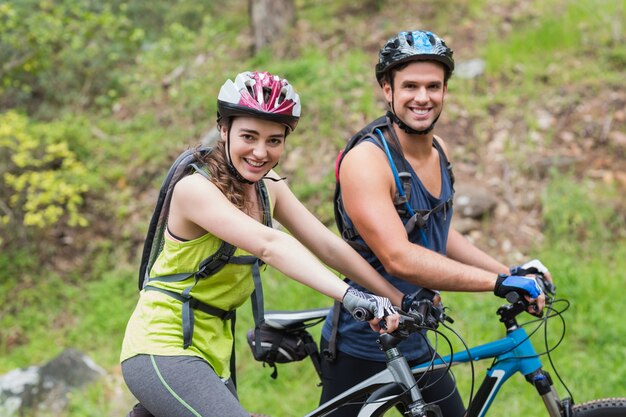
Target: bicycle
column 396, row 386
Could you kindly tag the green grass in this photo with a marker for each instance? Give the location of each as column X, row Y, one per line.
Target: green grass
column 587, row 256
column 551, row 44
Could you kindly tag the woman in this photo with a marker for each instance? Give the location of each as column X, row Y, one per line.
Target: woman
column 179, row 370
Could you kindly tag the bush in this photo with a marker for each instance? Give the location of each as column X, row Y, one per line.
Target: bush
column 43, row 182
column 66, row 52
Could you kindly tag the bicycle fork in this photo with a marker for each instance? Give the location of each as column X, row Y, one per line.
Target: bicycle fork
column 542, row 382
column 400, row 369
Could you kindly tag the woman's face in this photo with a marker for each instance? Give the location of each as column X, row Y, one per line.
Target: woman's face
column 256, row 145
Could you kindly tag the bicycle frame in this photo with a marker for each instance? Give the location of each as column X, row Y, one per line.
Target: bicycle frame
column 385, row 385
column 397, row 383
column 513, row 353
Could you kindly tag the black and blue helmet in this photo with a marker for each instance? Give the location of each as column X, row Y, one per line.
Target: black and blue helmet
column 414, row 45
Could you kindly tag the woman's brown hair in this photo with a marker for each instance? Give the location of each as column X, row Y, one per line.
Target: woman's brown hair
column 216, row 164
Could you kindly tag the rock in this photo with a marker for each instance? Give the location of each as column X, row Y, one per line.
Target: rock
column 469, row 69
column 46, row 387
column 15, row 388
column 473, row 200
column 465, row 225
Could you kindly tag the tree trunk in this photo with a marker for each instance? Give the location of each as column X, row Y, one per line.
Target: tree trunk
column 269, row 19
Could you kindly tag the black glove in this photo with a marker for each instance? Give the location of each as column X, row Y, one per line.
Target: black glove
column 409, row 300
column 520, row 285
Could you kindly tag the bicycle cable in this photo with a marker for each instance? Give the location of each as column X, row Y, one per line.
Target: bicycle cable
column 542, row 321
column 448, row 366
column 471, row 361
column 548, row 351
column 434, row 355
column 405, row 391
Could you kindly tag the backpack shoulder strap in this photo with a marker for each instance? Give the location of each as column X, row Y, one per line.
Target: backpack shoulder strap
column 153, row 242
column 446, row 161
column 377, row 131
column 340, row 216
column 265, row 203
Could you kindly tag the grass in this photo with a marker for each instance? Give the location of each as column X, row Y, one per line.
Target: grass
column 554, row 43
column 96, row 323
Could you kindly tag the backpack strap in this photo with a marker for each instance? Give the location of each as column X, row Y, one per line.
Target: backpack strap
column 348, row 233
column 330, row 353
column 210, row 266
column 258, row 304
column 402, row 195
column 420, row 217
column 402, row 179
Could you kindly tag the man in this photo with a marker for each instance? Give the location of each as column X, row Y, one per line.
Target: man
column 394, row 203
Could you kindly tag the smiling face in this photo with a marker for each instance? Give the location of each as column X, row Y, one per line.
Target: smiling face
column 418, row 93
column 256, row 145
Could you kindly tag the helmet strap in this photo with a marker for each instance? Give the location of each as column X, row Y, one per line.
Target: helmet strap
column 236, row 174
column 231, row 167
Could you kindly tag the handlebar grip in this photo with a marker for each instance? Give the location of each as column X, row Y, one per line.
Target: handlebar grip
column 362, row 314
column 513, row 297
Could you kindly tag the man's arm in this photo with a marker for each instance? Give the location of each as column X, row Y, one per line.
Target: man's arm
column 367, row 190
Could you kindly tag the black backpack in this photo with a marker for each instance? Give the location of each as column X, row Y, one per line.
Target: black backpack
column 187, row 163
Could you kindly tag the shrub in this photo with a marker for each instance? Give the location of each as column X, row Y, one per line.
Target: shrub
column 42, row 182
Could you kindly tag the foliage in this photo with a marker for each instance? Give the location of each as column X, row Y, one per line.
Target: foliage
column 43, row 180
column 154, row 17
column 127, row 85
column 66, row 52
column 553, row 36
column 581, row 216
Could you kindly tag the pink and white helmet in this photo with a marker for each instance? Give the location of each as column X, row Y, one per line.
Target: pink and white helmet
column 259, row 94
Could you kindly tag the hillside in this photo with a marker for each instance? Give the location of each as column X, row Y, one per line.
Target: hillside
column 104, row 106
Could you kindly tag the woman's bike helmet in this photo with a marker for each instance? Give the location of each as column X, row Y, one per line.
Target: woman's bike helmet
column 416, row 45
column 262, row 95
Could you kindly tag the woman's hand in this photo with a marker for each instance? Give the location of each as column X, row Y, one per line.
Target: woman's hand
column 390, row 323
column 379, row 307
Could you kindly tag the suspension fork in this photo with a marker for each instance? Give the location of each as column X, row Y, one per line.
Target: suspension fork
column 401, row 371
column 542, row 382
column 399, row 367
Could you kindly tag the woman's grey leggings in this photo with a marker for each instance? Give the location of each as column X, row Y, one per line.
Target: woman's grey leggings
column 180, row 386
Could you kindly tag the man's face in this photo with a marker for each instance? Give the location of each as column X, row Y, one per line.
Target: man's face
column 418, row 93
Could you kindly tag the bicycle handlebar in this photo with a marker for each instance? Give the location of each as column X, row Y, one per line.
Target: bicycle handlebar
column 426, row 315
column 519, row 304
column 362, row 314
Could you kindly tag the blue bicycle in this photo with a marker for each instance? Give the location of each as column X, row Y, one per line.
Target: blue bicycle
column 395, row 388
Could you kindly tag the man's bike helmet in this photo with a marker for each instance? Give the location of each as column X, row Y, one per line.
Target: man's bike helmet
column 415, row 45
column 262, row 95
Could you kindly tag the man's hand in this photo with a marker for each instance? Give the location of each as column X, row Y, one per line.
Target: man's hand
column 423, row 293
column 531, row 268
column 380, row 307
column 525, row 286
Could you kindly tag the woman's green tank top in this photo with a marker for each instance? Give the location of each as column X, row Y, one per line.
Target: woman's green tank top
column 155, row 325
